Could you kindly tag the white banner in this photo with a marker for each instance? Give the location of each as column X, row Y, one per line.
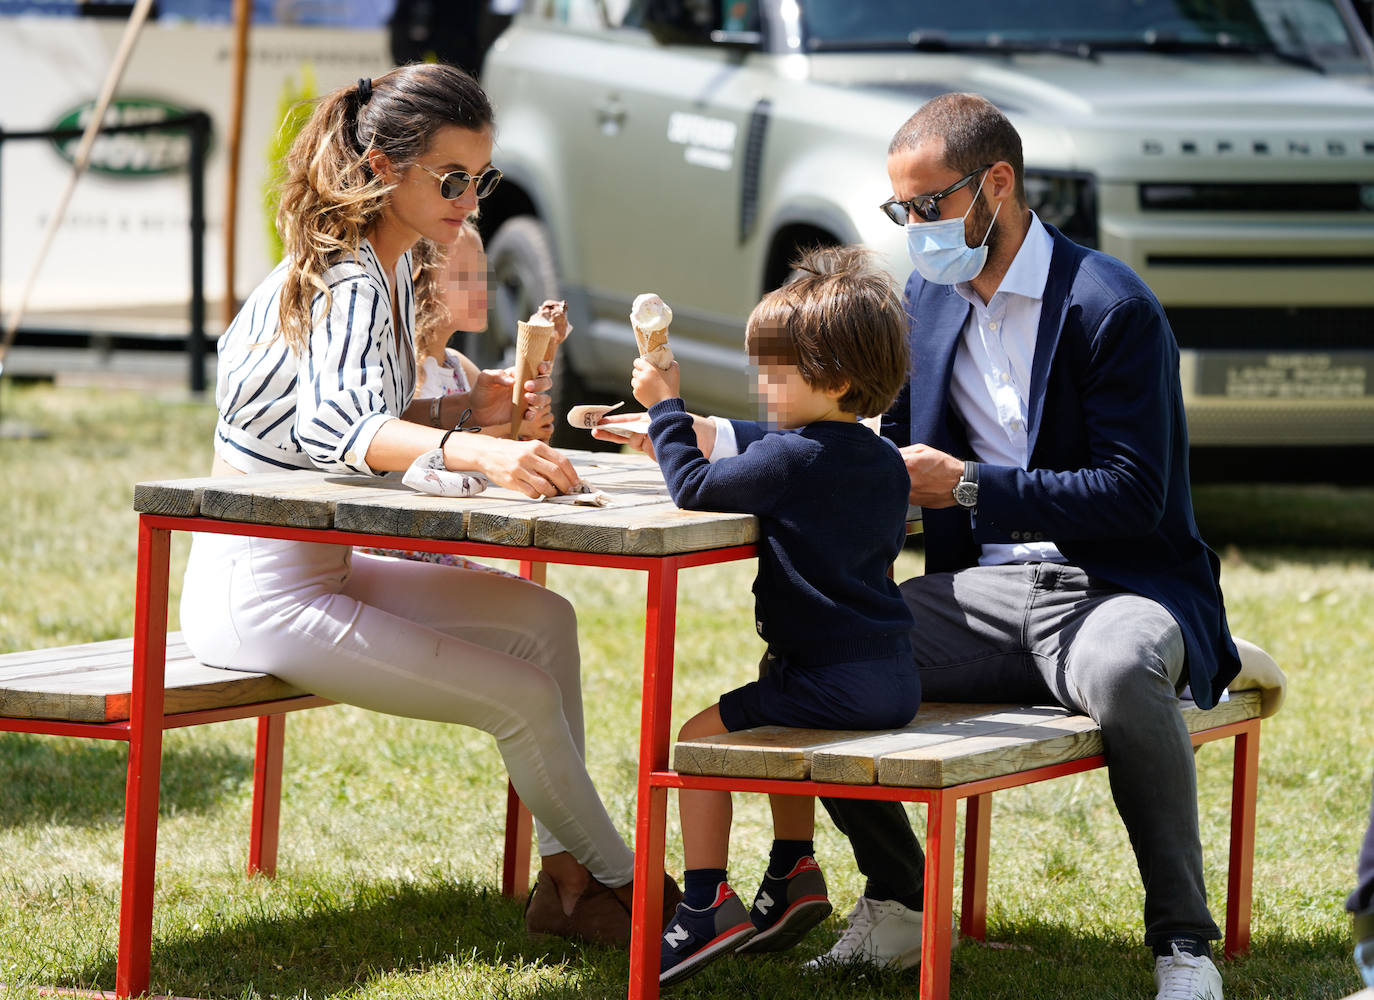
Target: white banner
column 125, row 243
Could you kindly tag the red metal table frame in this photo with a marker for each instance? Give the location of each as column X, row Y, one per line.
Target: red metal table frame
column 941, row 805
column 143, row 731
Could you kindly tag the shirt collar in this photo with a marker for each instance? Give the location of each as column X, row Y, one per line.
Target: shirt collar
column 1029, row 271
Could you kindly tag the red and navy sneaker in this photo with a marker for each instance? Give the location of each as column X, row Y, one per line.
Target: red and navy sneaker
column 786, row 908
column 695, row 938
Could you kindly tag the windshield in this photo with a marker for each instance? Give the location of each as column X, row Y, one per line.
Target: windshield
column 1304, row 29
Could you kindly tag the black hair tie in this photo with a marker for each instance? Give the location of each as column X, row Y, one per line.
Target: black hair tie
column 459, row 429
column 364, row 90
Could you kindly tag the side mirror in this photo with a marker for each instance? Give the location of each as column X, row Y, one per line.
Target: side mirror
column 682, row 22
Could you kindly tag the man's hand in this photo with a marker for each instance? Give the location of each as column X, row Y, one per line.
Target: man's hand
column 638, row 442
column 933, row 475
column 652, row 385
column 705, row 429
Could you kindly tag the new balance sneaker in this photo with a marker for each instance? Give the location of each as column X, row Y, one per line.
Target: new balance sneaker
column 883, row 933
column 695, row 938
column 786, row 908
column 1181, row 976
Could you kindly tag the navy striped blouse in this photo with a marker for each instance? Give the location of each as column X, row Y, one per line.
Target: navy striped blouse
column 320, row 409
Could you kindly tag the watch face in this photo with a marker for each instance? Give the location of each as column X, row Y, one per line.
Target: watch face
column 966, row 493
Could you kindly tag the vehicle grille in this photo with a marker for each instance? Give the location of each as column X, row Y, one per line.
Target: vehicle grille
column 1267, row 198
column 1294, row 329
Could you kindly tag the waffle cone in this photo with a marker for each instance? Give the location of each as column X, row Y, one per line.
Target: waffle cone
column 653, row 347
column 531, row 347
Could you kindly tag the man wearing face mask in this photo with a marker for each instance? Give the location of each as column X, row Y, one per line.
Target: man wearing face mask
column 1043, row 429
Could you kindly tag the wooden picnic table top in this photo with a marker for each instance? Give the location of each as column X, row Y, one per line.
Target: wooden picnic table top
column 641, row 520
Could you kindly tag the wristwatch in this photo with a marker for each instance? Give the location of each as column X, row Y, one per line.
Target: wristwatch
column 966, row 489
column 434, row 410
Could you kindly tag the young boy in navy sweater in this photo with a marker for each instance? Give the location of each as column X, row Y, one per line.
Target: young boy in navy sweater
column 831, row 498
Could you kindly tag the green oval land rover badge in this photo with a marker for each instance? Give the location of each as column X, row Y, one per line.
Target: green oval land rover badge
column 130, row 154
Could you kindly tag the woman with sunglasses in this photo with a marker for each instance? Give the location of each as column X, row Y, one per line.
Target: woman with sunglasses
column 317, row 371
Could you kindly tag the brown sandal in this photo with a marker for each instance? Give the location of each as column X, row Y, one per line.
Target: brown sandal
column 543, row 909
column 598, row 915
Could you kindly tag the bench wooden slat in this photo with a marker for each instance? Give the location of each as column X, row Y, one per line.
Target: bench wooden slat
column 1041, row 745
column 764, row 752
column 946, row 744
column 1023, row 748
column 93, row 682
column 792, row 754
column 88, row 655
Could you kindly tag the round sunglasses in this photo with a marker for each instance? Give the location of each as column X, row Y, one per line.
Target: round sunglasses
column 927, row 206
column 453, row 184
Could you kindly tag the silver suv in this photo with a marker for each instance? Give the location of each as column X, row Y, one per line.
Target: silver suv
column 1223, row 149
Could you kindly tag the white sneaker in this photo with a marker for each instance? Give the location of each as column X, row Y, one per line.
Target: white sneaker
column 881, row 932
column 1186, row 977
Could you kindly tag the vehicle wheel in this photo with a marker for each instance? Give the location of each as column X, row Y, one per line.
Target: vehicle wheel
column 521, row 276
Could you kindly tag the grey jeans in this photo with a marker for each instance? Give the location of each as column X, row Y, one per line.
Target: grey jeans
column 1048, row 633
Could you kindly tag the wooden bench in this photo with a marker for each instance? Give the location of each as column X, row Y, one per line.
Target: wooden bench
column 87, row 690
column 955, row 751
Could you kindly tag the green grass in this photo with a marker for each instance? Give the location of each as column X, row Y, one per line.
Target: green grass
column 391, row 828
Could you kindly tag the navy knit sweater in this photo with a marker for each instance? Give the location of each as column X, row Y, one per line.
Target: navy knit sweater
column 831, row 499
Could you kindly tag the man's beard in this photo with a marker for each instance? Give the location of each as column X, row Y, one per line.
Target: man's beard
column 980, row 218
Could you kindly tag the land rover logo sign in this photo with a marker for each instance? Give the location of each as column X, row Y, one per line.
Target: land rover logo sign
column 129, row 154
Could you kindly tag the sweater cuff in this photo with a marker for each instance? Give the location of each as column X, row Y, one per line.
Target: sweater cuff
column 673, row 404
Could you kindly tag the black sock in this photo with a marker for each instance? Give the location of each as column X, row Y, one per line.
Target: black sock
column 699, row 886
column 784, row 855
column 1188, row 944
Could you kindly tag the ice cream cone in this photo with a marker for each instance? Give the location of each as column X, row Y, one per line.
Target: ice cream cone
column 556, row 312
column 531, row 345
column 650, row 318
column 653, row 347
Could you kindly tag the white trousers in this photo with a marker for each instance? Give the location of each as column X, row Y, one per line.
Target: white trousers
column 419, row 640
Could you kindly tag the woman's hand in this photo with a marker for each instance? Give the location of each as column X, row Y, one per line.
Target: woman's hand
column 490, row 401
column 530, row 467
column 652, row 385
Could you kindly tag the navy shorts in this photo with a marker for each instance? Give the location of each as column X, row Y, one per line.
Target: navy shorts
column 864, row 694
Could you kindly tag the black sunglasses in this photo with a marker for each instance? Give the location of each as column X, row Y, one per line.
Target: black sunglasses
column 455, row 182
column 927, row 206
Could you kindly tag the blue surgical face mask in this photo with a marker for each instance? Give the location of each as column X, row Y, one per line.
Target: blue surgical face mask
column 941, row 253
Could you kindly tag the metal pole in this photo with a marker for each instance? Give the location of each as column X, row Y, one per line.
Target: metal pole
column 79, row 163
column 2, row 207
column 200, row 131
column 243, row 14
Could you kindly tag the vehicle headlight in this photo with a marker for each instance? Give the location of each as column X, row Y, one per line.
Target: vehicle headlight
column 1067, row 201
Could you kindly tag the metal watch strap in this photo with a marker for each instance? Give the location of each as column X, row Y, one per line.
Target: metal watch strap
column 434, row 410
